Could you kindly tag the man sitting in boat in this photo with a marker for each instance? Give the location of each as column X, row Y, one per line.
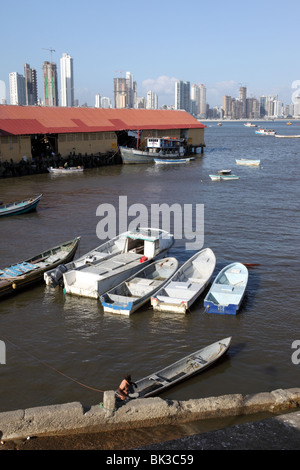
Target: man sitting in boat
column 126, row 387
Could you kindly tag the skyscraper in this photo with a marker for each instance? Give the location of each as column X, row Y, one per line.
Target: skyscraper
column 31, row 90
column 151, row 100
column 124, row 91
column 50, row 84
column 182, row 95
column 17, row 89
column 67, row 80
column 202, row 110
column 243, row 99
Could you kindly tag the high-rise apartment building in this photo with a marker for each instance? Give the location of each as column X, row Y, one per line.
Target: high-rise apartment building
column 31, row 88
column 151, row 100
column 98, row 101
column 195, row 99
column 50, row 84
column 182, row 95
column 243, row 100
column 202, row 110
column 67, row 80
column 124, row 91
column 17, row 89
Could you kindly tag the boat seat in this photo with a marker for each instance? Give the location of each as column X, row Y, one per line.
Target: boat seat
column 181, row 290
column 160, row 379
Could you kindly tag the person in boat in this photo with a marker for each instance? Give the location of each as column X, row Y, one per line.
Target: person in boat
column 126, row 387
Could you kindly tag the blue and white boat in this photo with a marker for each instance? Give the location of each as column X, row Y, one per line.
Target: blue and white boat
column 228, row 290
column 20, row 207
column 169, row 161
column 135, row 291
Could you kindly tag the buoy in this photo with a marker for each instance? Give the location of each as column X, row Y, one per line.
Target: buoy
column 14, row 286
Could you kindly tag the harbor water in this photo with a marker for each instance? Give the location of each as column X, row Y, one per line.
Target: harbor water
column 62, row 348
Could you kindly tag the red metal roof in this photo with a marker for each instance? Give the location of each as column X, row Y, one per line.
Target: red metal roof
column 20, row 120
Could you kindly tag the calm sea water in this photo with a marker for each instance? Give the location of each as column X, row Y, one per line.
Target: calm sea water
column 252, row 220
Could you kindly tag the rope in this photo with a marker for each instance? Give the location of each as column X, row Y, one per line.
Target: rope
column 53, row 368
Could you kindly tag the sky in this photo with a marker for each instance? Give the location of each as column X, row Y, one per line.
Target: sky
column 221, row 44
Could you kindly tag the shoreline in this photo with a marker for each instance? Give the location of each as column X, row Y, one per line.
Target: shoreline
column 73, row 418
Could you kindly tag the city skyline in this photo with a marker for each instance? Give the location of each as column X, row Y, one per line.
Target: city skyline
column 216, row 47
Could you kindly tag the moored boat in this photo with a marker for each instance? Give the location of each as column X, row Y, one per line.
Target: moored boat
column 20, row 207
column 228, row 290
column 250, row 124
column 133, row 293
column 265, row 131
column 181, row 370
column 169, row 161
column 223, row 177
column 66, row 171
column 247, row 162
column 186, row 285
column 156, row 147
column 31, row 271
column 95, row 274
column 287, row 136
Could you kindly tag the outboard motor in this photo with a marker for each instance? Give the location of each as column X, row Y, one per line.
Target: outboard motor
column 57, row 275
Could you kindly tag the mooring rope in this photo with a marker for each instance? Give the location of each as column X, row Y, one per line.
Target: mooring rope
column 53, row 368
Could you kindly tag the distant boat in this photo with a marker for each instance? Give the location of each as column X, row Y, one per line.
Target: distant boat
column 94, row 275
column 247, row 161
column 20, row 207
column 224, row 172
column 219, row 124
column 187, row 367
column 228, row 289
column 223, row 177
column 169, row 161
column 135, row 291
column 186, row 285
column 67, row 170
column 289, row 123
column 31, row 271
column 265, row 132
column 287, row 136
column 156, row 147
column 250, row 124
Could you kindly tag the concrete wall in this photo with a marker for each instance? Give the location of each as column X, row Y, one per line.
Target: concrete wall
column 14, row 147
column 73, row 418
column 86, row 142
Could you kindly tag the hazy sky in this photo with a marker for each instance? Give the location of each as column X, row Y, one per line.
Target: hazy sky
column 221, row 44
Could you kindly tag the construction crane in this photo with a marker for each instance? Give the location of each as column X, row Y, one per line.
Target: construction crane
column 51, row 50
column 120, row 71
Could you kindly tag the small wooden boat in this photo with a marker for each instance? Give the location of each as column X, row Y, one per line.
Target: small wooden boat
column 279, row 136
column 112, row 263
column 186, row 285
column 228, row 289
column 169, row 161
column 31, row 271
column 221, row 177
column 66, row 171
column 131, row 294
column 247, row 161
column 20, row 207
column 181, row 370
column 224, row 172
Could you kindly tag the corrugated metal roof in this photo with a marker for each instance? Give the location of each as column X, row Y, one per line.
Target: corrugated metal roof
column 20, row 120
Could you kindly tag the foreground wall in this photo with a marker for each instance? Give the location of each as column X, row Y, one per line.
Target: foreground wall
column 73, row 418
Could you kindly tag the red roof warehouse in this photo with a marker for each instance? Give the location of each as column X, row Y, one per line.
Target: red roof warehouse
column 87, row 130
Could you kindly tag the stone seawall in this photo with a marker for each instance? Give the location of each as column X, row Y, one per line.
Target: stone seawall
column 73, row 418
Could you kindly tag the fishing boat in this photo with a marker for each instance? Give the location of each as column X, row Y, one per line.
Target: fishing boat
column 181, row 370
column 31, row 271
column 102, row 269
column 173, row 160
column 228, row 290
column 133, row 293
column 250, row 124
column 265, row 131
column 66, row 171
column 247, row 162
column 287, row 136
column 223, row 177
column 156, row 147
column 186, row 285
column 20, row 207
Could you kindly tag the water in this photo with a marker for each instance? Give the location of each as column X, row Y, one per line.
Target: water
column 51, row 339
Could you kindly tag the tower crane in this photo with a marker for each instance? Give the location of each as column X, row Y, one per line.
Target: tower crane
column 51, row 50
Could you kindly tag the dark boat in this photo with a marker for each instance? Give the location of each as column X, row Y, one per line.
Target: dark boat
column 31, row 271
column 20, row 207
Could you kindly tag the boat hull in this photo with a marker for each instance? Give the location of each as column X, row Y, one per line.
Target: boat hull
column 182, row 370
column 223, row 177
column 227, row 291
column 14, row 284
column 20, row 207
column 186, row 285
